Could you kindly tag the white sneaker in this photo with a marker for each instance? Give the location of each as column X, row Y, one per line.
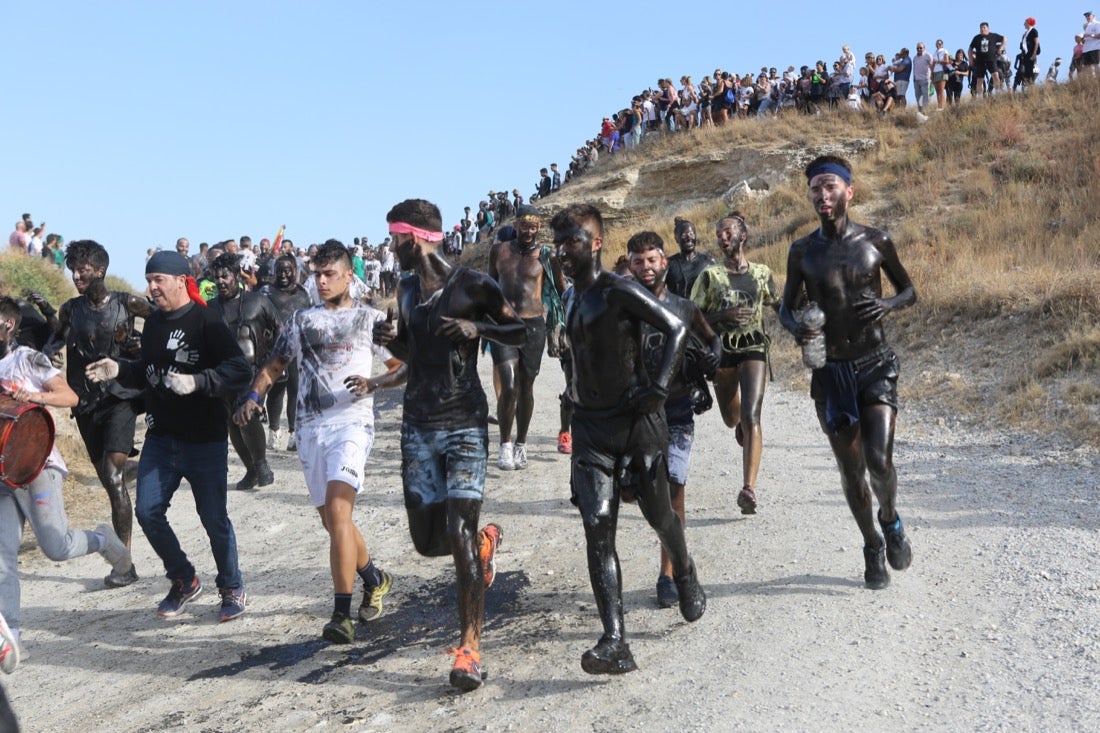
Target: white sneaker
column 519, row 456
column 274, row 437
column 507, row 460
column 9, row 648
column 291, row 445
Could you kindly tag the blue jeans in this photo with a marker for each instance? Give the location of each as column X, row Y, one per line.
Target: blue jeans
column 165, row 461
column 437, row 465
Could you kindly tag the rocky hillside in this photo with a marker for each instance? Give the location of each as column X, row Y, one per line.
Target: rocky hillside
column 987, row 203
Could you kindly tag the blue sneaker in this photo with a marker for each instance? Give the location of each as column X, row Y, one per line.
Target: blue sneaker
column 233, row 602
column 899, row 553
column 179, row 596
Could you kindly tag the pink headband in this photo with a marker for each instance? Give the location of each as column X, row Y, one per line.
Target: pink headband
column 400, row 227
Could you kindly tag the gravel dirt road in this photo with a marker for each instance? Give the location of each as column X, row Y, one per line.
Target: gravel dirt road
column 994, row 627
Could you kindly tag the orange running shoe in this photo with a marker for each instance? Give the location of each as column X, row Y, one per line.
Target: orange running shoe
column 467, row 674
column 565, row 442
column 491, row 537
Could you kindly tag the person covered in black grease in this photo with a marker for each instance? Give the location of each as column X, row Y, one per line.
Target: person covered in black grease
column 444, row 311
column 619, row 428
column 99, row 323
column 253, row 320
column 840, row 267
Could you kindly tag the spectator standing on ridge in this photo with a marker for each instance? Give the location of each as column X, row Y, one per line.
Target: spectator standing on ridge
column 1078, row 53
column 1090, row 50
column 1029, row 52
column 555, row 177
column 941, row 71
column 546, row 185
column 19, row 240
column 903, row 72
column 922, row 77
column 958, row 73
column 984, row 50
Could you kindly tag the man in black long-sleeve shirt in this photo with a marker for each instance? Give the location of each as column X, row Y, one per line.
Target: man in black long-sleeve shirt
column 190, row 364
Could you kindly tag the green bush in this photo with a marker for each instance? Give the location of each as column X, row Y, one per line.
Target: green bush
column 20, row 274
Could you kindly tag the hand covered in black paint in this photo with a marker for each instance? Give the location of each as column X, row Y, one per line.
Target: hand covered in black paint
column 457, row 329
column 645, row 399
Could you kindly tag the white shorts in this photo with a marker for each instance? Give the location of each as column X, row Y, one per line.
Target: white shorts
column 333, row 453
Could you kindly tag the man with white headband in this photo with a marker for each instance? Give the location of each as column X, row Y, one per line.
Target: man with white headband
column 444, row 311
column 840, row 267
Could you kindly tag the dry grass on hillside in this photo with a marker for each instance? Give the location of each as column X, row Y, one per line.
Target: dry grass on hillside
column 993, row 205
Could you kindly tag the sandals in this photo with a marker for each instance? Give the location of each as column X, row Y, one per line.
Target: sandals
column 746, row 500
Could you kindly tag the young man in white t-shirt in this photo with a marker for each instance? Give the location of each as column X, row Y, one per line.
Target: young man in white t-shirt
column 333, row 346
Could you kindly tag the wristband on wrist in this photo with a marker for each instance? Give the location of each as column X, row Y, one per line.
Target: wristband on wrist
column 253, row 395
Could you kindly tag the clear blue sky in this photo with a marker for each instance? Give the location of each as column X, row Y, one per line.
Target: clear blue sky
column 134, row 123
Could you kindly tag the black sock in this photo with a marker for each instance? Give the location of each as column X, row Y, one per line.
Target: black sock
column 342, row 603
column 371, row 575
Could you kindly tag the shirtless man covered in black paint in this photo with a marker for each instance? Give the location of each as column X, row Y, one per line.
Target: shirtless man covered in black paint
column 519, row 265
column 444, row 311
column 840, row 267
column 619, row 428
column 97, row 324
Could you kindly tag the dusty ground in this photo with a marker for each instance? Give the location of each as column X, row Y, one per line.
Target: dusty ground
column 993, row 628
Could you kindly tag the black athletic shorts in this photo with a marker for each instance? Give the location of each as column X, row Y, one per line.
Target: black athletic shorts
column 109, row 428
column 1090, row 58
column 530, row 354
column 732, row 359
column 876, row 375
column 611, row 449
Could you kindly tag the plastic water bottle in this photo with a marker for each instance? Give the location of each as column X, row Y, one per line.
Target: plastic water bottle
column 813, row 351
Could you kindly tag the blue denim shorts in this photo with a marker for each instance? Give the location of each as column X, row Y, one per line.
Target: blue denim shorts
column 437, row 465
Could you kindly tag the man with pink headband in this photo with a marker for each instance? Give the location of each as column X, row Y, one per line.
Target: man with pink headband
column 840, row 266
column 444, row 311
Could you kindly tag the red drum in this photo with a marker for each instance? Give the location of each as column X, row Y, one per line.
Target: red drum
column 26, row 439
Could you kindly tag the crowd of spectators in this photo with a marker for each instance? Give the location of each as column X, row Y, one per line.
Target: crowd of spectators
column 32, row 239
column 936, row 76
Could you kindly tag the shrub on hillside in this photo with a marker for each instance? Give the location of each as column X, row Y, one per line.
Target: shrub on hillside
column 21, row 274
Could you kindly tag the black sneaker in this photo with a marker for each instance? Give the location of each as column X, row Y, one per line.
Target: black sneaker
column 264, row 475
column 693, row 601
column 876, row 576
column 899, row 553
column 609, row 656
column 667, row 595
column 248, row 482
